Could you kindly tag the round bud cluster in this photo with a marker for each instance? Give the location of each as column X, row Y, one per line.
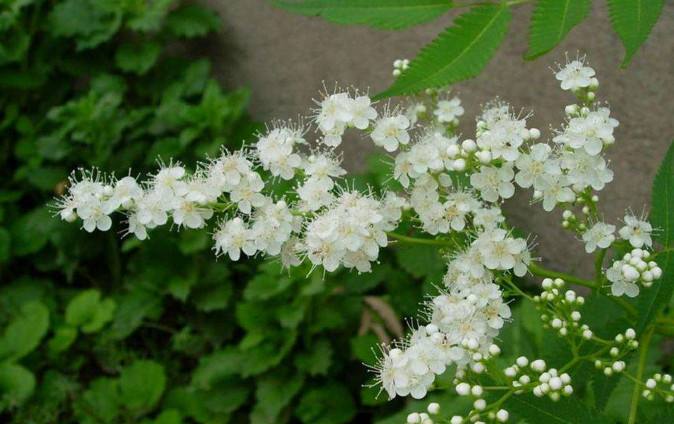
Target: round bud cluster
column 433, row 408
column 553, row 384
column 400, row 65
column 633, row 269
column 559, row 311
column 625, row 342
column 659, row 384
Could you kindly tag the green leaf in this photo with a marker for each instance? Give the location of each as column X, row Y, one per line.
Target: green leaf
column 564, row 411
column 141, row 384
column 459, row 53
column 149, row 15
column 330, row 404
column 273, row 393
column 317, row 360
column 192, row 21
column 216, row 366
column 5, row 245
column 89, row 22
column 551, row 22
column 384, row 14
column 64, row 336
column 99, row 403
column 24, row 332
column 16, row 385
column 85, row 309
column 654, row 298
column 633, row 21
column 137, row 57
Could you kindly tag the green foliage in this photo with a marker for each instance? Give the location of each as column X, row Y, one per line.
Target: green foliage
column 551, row 22
column 94, row 329
column 384, row 14
column 633, row 21
column 662, row 218
column 463, row 50
column 459, row 53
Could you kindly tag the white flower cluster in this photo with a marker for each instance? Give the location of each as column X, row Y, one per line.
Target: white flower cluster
column 560, row 309
column 339, row 111
column 424, row 417
column 479, row 405
column 623, row 344
column 633, row 269
column 464, row 318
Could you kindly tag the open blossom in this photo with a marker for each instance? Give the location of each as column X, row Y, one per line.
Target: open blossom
column 362, row 112
column 232, row 238
column 501, row 133
column 536, row 167
column 556, row 189
column 575, row 75
column 600, row 235
column 590, row 132
column 494, row 183
column 275, row 151
column 584, row 170
column 391, row 131
column 447, row 111
column 636, row 231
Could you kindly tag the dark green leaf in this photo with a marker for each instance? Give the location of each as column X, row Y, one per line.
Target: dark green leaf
column 141, row 384
column 633, row 21
column 551, row 21
column 192, row 21
column 137, row 57
column 330, row 404
column 24, row 332
column 459, row 53
column 16, row 385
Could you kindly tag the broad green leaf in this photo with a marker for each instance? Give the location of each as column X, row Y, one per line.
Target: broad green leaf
column 633, row 21
column 16, row 385
column 149, row 15
column 330, row 404
column 652, row 299
column 551, row 22
column 216, row 366
column 104, row 314
column 141, row 384
column 82, row 308
column 168, row 416
column 64, row 336
column 24, row 332
column 100, row 403
column 192, row 21
column 137, row 57
column 459, row 53
column 384, row 14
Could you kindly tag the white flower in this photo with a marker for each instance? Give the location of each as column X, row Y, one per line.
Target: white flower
column 247, row 193
column 600, row 235
column 575, row 75
column 169, row 180
column 152, row 209
column 228, row 170
column 501, row 132
column 534, row 167
column 636, row 231
column 590, row 132
column 275, row 151
column 448, row 111
column 619, row 284
column 361, row 112
column 555, row 189
column 323, row 167
column 499, row 251
column 334, row 110
column 315, row 193
column 190, row 215
column 493, row 182
column 126, row 191
column 231, row 238
column 94, row 217
column 424, row 157
column 391, row 131
column 585, row 170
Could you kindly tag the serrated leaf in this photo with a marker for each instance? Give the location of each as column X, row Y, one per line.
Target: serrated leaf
column 459, row 53
column 137, row 57
column 317, row 360
column 551, row 22
column 384, row 14
column 99, row 403
column 633, row 21
column 141, row 384
column 654, row 298
column 564, row 411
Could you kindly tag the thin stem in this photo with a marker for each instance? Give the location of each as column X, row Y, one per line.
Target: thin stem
column 544, row 272
column 636, row 393
column 598, row 264
column 417, row 240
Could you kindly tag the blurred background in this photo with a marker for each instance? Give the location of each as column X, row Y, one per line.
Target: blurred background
column 286, row 58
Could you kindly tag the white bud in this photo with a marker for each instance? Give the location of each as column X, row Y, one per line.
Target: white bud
column 575, row 315
column 463, row 389
column 456, row 419
column 459, row 164
column 494, row 350
column 522, row 361
column 534, row 133
column 630, row 333
column 538, row 365
column 484, row 156
column 476, row 390
column 502, row 415
column 651, row 383
column 571, row 109
column 453, row 151
column 413, row 418
column 433, row 408
column 469, row 145
column 555, row 383
column 480, row 404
